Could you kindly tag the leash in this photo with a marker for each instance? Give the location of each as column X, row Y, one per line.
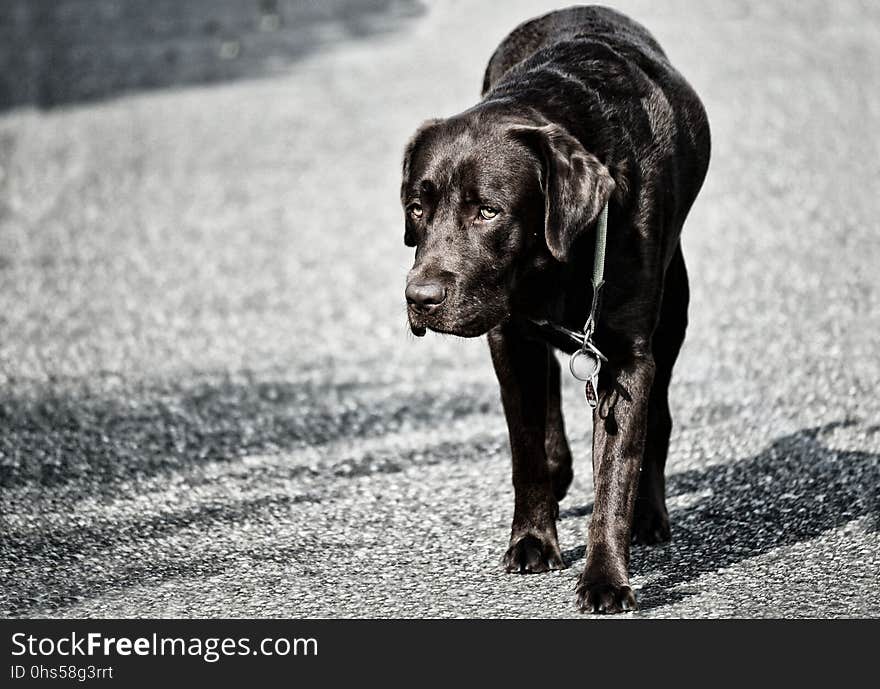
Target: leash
column 586, row 362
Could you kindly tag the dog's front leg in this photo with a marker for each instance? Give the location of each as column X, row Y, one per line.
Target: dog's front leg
column 522, row 369
column 619, row 425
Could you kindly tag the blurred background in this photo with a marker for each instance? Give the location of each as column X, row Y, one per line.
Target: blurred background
column 210, row 404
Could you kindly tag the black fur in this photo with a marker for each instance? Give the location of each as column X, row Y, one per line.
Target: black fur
column 579, row 107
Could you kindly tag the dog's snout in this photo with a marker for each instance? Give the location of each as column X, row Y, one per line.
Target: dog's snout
column 425, row 296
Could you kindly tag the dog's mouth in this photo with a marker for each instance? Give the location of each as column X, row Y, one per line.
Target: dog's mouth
column 420, row 324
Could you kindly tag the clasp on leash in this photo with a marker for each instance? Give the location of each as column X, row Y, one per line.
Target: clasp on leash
column 585, row 365
column 586, row 362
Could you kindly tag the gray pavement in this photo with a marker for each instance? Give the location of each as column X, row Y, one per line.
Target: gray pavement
column 210, row 404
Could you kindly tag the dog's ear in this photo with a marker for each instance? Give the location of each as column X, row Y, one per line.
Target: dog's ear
column 411, row 146
column 575, row 183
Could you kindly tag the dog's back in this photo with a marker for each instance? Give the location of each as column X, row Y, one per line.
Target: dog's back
column 606, row 78
column 590, row 21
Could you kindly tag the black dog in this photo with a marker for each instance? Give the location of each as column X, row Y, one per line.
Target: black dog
column 581, row 108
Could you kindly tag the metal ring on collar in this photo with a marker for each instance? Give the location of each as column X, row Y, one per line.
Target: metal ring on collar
column 585, row 364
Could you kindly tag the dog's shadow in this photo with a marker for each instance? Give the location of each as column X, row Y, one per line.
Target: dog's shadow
column 793, row 491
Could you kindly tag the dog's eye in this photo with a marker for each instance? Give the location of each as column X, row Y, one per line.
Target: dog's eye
column 487, row 212
column 415, row 210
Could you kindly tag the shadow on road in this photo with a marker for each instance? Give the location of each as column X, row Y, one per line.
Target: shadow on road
column 96, row 441
column 92, row 446
column 54, row 52
column 57, row 448
column 793, row 491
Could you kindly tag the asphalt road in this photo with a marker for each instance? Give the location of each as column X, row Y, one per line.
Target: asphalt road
column 210, row 404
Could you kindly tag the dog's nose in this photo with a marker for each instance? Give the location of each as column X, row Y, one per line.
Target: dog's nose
column 425, row 296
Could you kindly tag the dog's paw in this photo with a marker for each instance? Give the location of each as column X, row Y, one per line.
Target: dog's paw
column 650, row 525
column 531, row 554
column 605, row 599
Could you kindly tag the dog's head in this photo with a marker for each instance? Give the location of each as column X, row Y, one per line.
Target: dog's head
column 487, row 197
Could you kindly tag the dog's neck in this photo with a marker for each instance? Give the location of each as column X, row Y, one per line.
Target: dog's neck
column 565, row 339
